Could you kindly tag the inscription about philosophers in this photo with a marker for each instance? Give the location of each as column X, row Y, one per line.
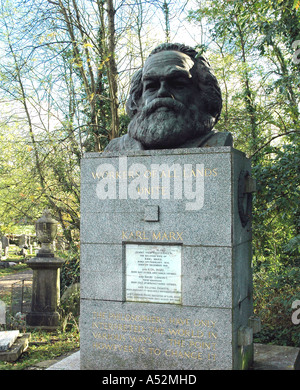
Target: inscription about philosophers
column 168, row 337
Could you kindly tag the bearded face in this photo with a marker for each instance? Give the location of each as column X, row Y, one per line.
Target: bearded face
column 166, row 123
column 170, row 111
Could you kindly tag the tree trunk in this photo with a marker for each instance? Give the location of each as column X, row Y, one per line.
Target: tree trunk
column 112, row 71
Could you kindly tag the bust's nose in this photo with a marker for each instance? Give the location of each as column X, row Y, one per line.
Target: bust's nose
column 164, row 90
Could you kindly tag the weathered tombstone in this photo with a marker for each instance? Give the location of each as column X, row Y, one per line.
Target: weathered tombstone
column 7, row 338
column 46, row 278
column 5, row 245
column 166, row 279
column 12, row 345
column 22, row 241
column 2, row 313
column 23, row 245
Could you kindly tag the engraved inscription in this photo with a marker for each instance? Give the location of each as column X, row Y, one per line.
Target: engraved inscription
column 153, row 273
column 155, row 236
column 184, row 338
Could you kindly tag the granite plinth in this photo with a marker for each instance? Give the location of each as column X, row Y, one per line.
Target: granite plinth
column 45, row 292
column 189, row 199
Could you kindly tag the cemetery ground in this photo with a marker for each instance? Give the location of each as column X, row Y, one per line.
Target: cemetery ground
column 45, row 347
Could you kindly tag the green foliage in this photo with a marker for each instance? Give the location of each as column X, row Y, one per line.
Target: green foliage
column 251, row 53
column 276, row 244
column 69, row 311
column 275, row 289
column 70, row 270
column 276, row 221
column 43, row 346
column 56, row 85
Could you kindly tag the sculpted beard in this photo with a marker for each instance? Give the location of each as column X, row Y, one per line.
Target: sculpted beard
column 167, row 123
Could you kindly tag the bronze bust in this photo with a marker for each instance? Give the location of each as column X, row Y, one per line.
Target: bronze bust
column 174, row 102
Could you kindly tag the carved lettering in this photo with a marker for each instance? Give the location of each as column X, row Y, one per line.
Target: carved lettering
column 157, row 236
column 187, row 338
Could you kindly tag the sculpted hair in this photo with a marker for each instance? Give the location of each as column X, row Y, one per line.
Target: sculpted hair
column 205, row 79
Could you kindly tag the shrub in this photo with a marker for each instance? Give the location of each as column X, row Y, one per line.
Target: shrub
column 275, row 289
column 70, row 270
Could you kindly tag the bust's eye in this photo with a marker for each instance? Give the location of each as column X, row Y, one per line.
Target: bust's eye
column 151, row 86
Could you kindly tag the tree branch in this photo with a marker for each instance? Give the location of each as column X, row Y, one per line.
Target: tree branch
column 272, row 138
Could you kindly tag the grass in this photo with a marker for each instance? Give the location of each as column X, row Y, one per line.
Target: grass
column 43, row 345
column 13, row 270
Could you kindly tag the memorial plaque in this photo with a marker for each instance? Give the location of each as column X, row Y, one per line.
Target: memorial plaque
column 153, row 273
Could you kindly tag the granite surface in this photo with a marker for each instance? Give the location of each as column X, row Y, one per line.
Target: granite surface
column 201, row 216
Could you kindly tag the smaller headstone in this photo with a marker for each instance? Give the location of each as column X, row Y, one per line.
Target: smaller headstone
column 5, row 241
column 18, row 347
column 2, row 313
column 5, row 245
column 46, row 280
column 7, row 338
column 22, row 240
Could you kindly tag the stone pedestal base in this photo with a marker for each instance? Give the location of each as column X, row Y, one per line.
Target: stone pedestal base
column 45, row 293
column 166, row 275
column 42, row 320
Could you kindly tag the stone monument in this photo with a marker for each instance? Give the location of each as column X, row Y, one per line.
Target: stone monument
column 5, row 245
column 166, row 280
column 46, row 278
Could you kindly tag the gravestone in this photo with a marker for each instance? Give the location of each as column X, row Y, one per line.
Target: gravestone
column 46, row 278
column 23, row 241
column 2, row 313
column 166, row 279
column 5, row 245
column 12, row 345
column 7, row 338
